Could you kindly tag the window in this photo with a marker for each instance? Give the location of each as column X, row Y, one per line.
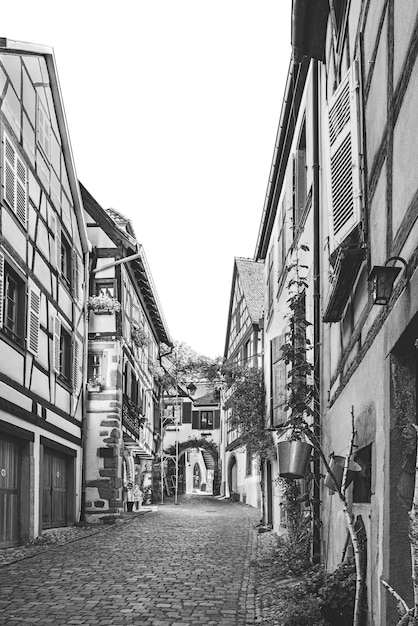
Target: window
column 299, row 180
column 44, row 130
column 281, row 245
column 238, row 318
column 65, row 354
column 62, row 350
column 270, row 287
column 15, row 175
column 206, row 419
column 94, row 369
column 66, row 257
column 248, row 464
column 362, row 490
column 104, row 288
column 13, row 302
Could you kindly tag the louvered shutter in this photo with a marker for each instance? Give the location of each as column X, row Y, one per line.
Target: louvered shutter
column 56, row 344
column 1, row 288
column 15, row 181
column 34, row 310
column 78, row 278
column 195, row 420
column 9, row 172
column 21, row 190
column 345, row 180
column 77, row 363
column 217, row 418
column 187, row 413
column 279, row 396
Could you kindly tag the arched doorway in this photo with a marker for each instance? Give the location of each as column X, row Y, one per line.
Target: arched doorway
column 232, row 475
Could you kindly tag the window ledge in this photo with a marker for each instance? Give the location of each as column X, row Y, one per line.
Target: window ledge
column 347, row 266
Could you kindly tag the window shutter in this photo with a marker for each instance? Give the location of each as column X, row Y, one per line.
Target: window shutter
column 1, row 288
column 56, row 344
column 343, row 123
column 15, row 181
column 34, row 310
column 9, row 172
column 278, row 381
column 21, row 191
column 195, row 420
column 77, row 365
column 78, row 278
column 187, row 413
column 217, row 418
column 44, row 130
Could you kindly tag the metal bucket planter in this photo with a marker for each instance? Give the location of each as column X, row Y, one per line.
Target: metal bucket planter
column 293, row 457
column 337, row 468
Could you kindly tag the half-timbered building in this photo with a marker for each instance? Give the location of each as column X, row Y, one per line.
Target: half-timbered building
column 241, row 471
column 43, row 256
column 125, row 330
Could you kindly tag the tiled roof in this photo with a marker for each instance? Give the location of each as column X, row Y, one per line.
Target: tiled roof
column 209, row 398
column 251, row 277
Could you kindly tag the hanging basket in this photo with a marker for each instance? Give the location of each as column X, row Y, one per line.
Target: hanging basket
column 293, row 457
column 337, row 468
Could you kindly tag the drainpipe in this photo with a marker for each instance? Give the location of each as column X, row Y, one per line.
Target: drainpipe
column 87, row 262
column 316, row 548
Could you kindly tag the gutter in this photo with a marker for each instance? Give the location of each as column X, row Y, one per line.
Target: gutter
column 316, row 548
column 295, row 84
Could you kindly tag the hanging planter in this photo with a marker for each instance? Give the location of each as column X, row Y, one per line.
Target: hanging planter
column 337, row 468
column 293, row 457
column 103, row 305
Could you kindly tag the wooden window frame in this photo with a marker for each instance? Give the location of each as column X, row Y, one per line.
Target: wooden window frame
column 8, row 275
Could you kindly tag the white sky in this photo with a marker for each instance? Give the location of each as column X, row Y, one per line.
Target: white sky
column 173, row 108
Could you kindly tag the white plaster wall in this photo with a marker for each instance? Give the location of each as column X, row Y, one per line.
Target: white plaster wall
column 405, row 14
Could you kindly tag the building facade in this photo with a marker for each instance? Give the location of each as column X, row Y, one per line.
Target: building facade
column 43, row 277
column 126, row 329
column 350, row 100
column 191, row 437
column 286, row 244
column 241, row 472
column 368, row 86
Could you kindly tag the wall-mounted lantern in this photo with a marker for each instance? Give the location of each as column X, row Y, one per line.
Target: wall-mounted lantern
column 383, row 278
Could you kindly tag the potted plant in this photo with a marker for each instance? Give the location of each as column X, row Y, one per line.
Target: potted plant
column 94, row 384
column 294, row 447
column 293, row 454
column 103, row 304
column 139, row 337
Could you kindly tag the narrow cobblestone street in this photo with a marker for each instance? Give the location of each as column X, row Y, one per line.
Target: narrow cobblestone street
column 186, row 565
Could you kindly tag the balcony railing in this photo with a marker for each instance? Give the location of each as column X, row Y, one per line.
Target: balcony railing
column 132, row 417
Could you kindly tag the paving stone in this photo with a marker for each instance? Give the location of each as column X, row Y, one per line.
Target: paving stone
column 179, row 565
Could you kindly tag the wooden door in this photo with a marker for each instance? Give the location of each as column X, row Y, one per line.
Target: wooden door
column 54, row 490
column 10, row 460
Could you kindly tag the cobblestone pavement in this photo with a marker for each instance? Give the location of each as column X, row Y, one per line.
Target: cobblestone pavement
column 186, row 565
